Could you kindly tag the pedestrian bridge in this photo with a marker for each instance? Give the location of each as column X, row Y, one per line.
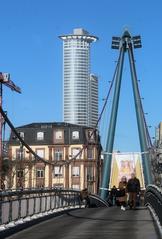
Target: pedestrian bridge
column 54, row 213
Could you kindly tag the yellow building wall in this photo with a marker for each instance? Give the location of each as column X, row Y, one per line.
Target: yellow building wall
column 55, row 180
column 81, row 176
column 80, row 146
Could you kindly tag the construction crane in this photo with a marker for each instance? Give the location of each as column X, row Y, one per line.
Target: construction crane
column 4, row 80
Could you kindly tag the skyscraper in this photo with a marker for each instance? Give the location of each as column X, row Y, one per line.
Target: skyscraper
column 76, row 77
column 93, row 101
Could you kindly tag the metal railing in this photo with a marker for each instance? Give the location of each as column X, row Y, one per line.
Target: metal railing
column 153, row 199
column 21, row 204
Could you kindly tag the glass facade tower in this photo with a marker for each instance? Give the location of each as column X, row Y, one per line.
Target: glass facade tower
column 76, row 76
column 93, row 100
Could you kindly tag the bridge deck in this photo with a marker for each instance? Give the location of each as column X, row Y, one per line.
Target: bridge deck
column 94, row 223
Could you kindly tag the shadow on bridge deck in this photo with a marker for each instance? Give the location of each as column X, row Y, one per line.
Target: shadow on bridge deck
column 94, row 223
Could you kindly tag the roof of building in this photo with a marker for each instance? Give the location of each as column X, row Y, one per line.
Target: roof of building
column 50, row 125
column 79, row 33
column 30, row 133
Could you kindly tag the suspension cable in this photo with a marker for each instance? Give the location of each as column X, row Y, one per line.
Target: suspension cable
column 146, row 128
column 61, row 162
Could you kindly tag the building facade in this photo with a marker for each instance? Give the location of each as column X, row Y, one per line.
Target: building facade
column 158, row 135
column 93, row 101
column 157, row 156
column 76, row 77
column 71, row 157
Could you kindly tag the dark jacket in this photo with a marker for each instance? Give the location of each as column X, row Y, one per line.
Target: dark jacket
column 84, row 194
column 133, row 185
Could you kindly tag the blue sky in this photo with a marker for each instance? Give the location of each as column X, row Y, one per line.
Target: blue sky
column 31, row 52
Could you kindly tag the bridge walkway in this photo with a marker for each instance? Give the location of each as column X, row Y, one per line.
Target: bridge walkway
column 93, row 223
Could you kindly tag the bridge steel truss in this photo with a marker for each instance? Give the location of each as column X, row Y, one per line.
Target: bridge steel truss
column 126, row 44
column 153, row 200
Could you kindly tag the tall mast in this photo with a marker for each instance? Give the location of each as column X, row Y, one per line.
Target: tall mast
column 125, row 44
column 4, row 80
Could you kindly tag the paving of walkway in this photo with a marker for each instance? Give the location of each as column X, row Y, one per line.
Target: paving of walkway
column 93, row 223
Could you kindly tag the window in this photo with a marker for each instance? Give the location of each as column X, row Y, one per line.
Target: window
column 58, row 171
column 40, row 152
column 75, row 135
column 58, row 185
column 59, row 134
column 40, row 135
column 76, row 152
column 21, row 135
column 58, row 154
column 90, row 174
column 20, row 173
column 75, row 186
column 90, row 135
column 89, row 153
column 75, row 171
column 40, row 173
column 20, row 153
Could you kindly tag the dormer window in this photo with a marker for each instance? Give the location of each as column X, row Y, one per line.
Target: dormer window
column 59, row 134
column 40, row 135
column 21, row 135
column 75, row 135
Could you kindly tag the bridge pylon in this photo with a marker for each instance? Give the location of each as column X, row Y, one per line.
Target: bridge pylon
column 125, row 44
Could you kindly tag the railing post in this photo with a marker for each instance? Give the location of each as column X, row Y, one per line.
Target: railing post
column 50, row 201
column 10, row 210
column 27, row 206
column 1, row 201
column 45, row 203
column 34, row 206
column 19, row 209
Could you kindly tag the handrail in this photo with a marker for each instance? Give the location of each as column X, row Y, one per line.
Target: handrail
column 17, row 205
column 25, row 191
column 153, row 199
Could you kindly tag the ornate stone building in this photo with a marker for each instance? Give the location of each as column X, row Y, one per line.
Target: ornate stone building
column 71, row 152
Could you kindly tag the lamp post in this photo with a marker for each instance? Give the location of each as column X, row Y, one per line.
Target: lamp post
column 21, row 165
column 4, row 80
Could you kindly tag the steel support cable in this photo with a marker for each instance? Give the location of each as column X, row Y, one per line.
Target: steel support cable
column 100, row 116
column 147, row 132
column 144, row 119
column 37, row 157
column 107, row 97
column 146, row 128
column 18, row 136
column 63, row 162
column 148, row 139
column 103, row 125
column 140, row 120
